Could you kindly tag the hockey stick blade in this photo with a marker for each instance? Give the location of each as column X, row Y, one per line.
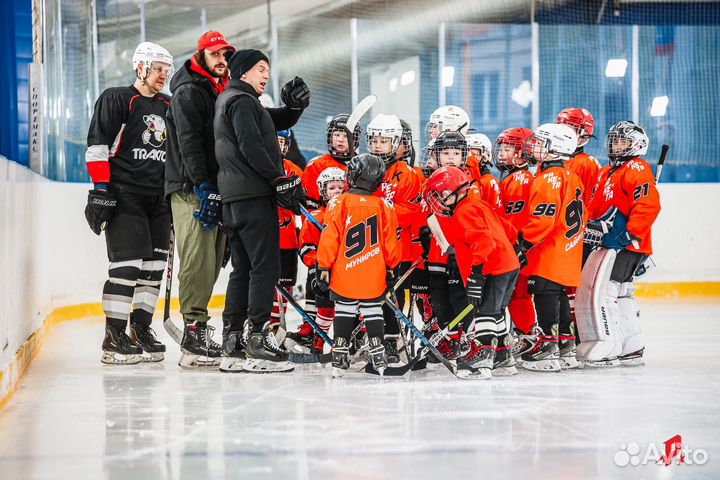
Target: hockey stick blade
column 310, row 218
column 304, row 358
column 362, row 108
column 400, row 371
column 439, row 235
column 304, row 314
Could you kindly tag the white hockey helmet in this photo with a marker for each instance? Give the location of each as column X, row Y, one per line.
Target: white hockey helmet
column 330, row 174
column 626, row 140
column 386, row 126
column 552, row 141
column 148, row 52
column 481, row 143
column 450, row 118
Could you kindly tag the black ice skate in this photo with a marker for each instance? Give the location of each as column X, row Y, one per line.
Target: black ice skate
column 264, row 355
column 477, row 364
column 198, row 348
column 566, row 350
column 300, row 341
column 391, row 348
column 233, row 350
column 544, row 357
column 340, row 357
column 118, row 349
column 153, row 350
column 524, row 342
column 504, row 363
column 376, row 353
column 634, row 359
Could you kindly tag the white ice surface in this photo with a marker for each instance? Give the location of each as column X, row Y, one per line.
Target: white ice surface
column 74, row 418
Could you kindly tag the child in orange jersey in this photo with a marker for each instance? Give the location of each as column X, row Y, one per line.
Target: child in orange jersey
column 487, row 264
column 357, row 253
column 582, row 164
column 480, row 158
column 626, row 184
column 552, row 241
column 331, row 182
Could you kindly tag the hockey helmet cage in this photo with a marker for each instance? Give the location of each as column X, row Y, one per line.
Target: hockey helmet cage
column 366, row 172
column 339, row 124
column 634, row 140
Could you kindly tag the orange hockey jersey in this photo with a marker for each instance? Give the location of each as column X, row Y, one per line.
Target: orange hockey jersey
column 587, row 168
column 310, row 238
column 555, row 226
column 288, row 229
column 359, row 243
column 514, row 195
column 313, row 170
column 631, row 188
column 401, row 186
column 478, row 237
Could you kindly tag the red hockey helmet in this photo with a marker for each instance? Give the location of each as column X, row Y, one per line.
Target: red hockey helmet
column 511, row 149
column 445, row 188
column 581, row 121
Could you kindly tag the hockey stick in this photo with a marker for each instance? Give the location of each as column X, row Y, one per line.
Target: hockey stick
column 304, row 315
column 661, row 161
column 439, row 235
column 175, row 333
column 282, row 328
column 434, row 340
column 361, row 109
column 310, row 218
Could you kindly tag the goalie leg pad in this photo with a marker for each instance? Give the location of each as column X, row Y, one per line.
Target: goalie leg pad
column 597, row 311
column 629, row 320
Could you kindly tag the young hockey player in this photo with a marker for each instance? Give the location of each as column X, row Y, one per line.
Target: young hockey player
column 478, row 164
column 127, row 202
column 552, row 241
column 339, row 152
column 582, row 164
column 357, row 254
column 401, row 186
column 449, row 118
column 487, row 264
column 626, row 184
column 332, row 182
column 510, row 157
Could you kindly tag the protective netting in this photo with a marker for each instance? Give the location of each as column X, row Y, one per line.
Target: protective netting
column 652, row 62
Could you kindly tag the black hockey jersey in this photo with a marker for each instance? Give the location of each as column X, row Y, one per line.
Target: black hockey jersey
column 126, row 140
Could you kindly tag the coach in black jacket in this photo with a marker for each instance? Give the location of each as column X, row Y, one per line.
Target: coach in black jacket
column 252, row 183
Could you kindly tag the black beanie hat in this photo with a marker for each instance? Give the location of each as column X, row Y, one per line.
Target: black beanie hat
column 243, row 60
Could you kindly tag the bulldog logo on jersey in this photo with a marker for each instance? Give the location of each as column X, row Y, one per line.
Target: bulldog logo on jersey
column 156, row 133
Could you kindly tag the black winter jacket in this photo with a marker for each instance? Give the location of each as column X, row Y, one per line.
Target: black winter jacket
column 191, row 147
column 246, row 145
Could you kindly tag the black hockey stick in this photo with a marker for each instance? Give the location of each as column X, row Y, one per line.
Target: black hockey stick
column 175, row 333
column 661, row 161
column 434, row 340
column 304, row 314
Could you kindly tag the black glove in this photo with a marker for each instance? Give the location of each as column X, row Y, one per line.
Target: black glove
column 453, row 269
column 227, row 254
column 295, row 94
column 390, row 279
column 290, row 193
column 521, row 248
column 210, row 213
column 425, row 240
column 475, row 284
column 321, row 284
column 99, row 209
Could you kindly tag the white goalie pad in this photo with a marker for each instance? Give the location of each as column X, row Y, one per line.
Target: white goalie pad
column 596, row 309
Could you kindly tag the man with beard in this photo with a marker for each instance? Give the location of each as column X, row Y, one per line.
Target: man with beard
column 191, row 185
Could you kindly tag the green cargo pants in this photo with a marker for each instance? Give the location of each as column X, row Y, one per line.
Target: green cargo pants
column 200, row 253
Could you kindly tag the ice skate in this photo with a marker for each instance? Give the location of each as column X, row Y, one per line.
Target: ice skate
column 544, row 357
column 118, row 349
column 634, row 359
column 318, row 344
column 376, row 353
column 264, row 355
column 566, row 350
column 391, row 348
column 504, row 364
column 448, row 347
column 340, row 357
column 197, row 347
column 300, row 341
column 477, row 364
column 153, row 350
column 524, row 342
column 233, row 351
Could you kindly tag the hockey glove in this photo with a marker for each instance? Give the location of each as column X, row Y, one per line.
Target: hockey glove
column 390, row 279
column 425, row 240
column 290, row 193
column 322, row 281
column 210, row 212
column 295, row 94
column 99, row 209
column 475, row 284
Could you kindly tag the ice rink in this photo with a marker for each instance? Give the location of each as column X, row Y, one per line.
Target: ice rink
column 77, row 419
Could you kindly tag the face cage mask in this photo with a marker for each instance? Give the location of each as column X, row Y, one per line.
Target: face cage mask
column 464, row 153
column 616, row 159
column 438, row 204
column 342, row 156
column 504, row 166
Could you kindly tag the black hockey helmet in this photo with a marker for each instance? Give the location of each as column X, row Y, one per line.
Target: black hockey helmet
column 366, row 172
column 451, row 140
column 339, row 124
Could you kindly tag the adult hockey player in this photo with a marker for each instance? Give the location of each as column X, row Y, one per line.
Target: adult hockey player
column 252, row 183
column 339, row 153
column 357, row 254
column 626, row 191
column 191, row 186
column 125, row 159
column 552, row 241
column 582, row 164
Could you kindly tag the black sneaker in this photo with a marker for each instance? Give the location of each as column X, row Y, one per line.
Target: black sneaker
column 154, row 351
column 118, row 349
column 198, row 348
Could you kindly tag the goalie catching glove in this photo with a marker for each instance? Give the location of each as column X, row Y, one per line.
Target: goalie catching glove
column 99, row 209
column 290, row 193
